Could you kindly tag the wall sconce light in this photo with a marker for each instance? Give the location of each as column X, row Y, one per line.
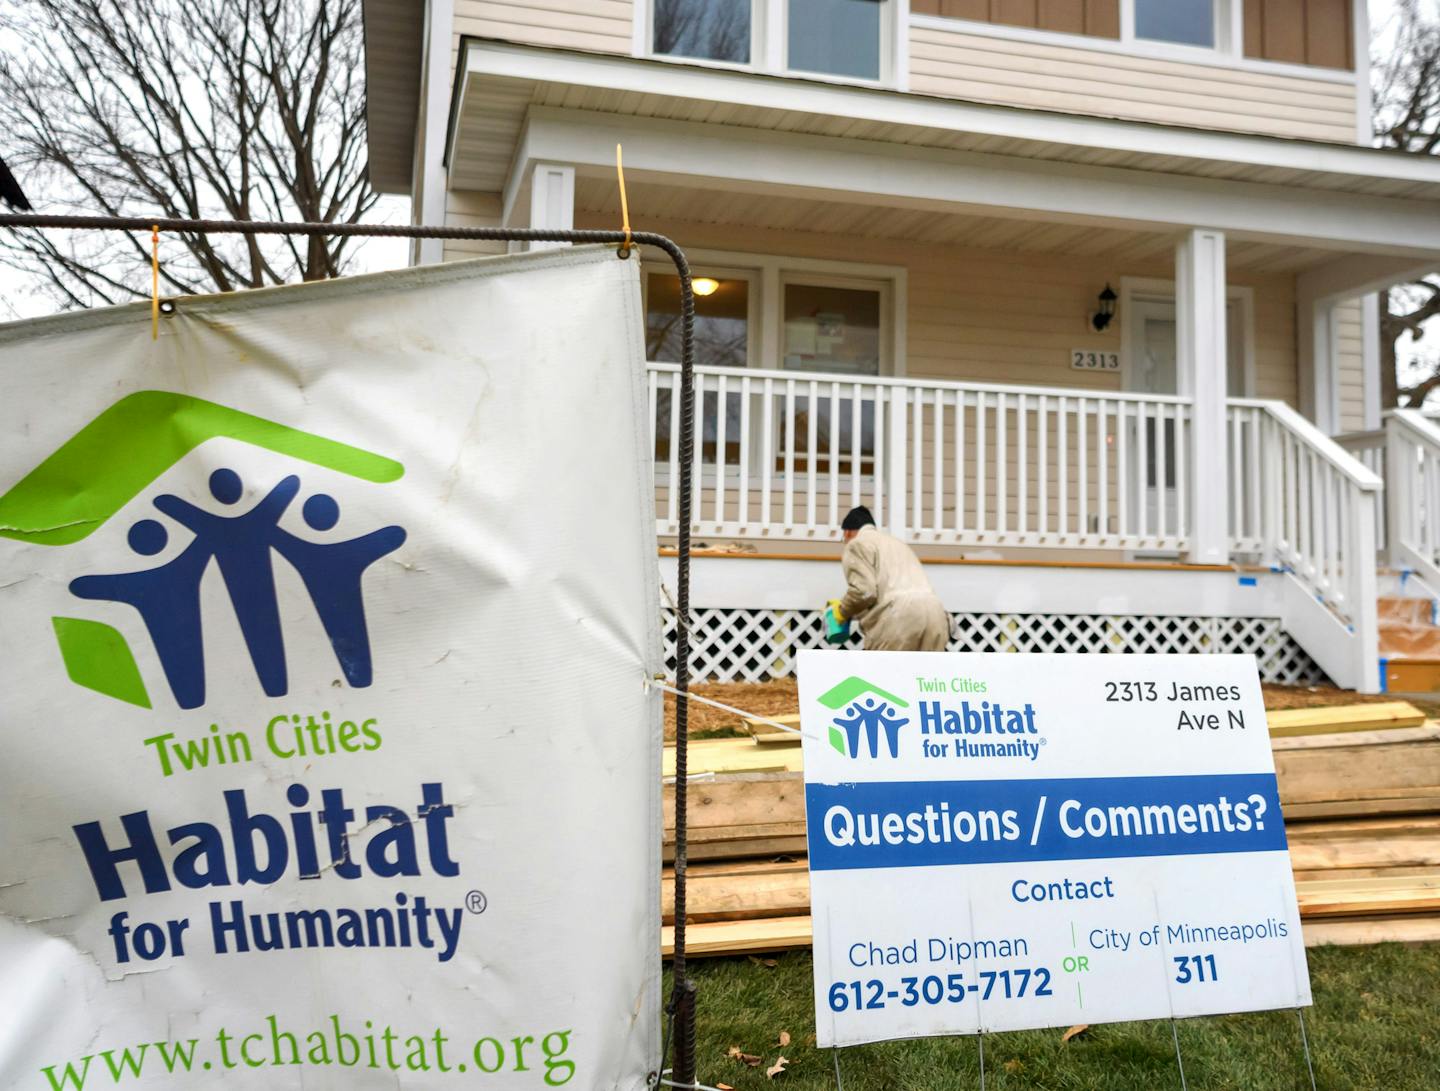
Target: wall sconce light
column 1106, row 312
column 705, row 285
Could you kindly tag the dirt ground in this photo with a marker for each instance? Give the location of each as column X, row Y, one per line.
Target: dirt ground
column 780, row 697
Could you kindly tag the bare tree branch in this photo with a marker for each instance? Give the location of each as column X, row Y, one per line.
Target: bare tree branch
column 1406, row 86
column 233, row 109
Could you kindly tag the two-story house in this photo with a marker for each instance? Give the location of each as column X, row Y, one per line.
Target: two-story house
column 1073, row 293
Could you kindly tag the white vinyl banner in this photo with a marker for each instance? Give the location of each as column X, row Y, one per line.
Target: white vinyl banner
column 1001, row 842
column 328, row 759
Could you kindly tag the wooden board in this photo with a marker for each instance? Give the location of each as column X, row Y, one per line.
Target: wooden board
column 1365, row 930
column 739, row 937
column 1388, row 895
column 1332, row 719
column 724, row 892
column 734, row 756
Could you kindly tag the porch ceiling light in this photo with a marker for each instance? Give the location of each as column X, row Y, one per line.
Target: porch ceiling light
column 1107, row 309
column 705, row 285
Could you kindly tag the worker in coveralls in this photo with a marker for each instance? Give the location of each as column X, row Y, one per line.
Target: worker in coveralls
column 886, row 591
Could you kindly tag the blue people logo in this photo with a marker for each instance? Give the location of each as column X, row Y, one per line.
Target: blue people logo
column 114, row 458
column 865, row 713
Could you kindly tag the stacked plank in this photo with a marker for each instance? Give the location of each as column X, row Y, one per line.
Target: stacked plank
column 1359, row 784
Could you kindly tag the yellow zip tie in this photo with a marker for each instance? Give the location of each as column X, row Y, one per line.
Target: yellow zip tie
column 154, row 282
column 624, row 204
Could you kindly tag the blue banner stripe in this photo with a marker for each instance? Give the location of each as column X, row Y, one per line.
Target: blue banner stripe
column 928, row 823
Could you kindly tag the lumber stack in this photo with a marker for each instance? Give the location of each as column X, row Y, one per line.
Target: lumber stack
column 1360, row 787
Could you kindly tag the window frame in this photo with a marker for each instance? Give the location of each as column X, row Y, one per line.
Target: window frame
column 769, row 274
column 769, row 44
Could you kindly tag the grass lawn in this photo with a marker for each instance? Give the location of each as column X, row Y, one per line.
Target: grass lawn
column 1375, row 1024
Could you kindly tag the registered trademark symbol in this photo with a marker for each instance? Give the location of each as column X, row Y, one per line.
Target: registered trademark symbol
column 475, row 902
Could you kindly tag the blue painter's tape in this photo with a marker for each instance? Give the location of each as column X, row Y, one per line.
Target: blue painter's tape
column 1248, row 581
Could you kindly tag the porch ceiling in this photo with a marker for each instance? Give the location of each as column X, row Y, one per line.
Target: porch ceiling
column 497, row 84
column 598, row 196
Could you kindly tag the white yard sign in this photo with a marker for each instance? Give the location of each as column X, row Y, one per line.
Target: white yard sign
column 999, row 842
column 327, row 757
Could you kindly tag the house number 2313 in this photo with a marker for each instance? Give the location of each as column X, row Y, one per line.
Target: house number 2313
column 1086, row 360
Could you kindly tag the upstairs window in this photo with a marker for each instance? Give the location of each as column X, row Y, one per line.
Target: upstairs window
column 712, row 30
column 835, row 37
column 843, row 39
column 1181, row 22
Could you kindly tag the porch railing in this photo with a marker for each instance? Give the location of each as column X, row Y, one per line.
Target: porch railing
column 783, row 456
column 1299, row 500
column 1407, row 451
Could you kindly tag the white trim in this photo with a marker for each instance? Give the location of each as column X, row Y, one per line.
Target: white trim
column 1370, row 362
column 429, row 189
column 748, row 89
column 1138, row 47
column 731, row 159
column 1360, row 49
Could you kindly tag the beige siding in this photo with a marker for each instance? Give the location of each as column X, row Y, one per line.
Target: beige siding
column 996, row 316
column 999, row 316
column 1350, row 358
column 465, row 208
column 1088, row 81
column 602, row 26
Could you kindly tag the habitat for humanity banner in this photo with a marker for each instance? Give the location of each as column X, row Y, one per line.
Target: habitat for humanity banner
column 326, row 758
column 1001, row 842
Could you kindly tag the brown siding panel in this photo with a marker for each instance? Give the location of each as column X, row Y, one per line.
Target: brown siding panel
column 925, row 7
column 1327, row 33
column 1315, row 32
column 1064, row 16
column 978, row 10
column 1102, row 18
column 1015, row 13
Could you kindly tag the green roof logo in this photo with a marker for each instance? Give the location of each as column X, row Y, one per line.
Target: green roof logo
column 106, row 464
column 868, row 709
column 113, row 459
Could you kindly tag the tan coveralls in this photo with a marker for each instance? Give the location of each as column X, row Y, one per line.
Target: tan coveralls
column 888, row 595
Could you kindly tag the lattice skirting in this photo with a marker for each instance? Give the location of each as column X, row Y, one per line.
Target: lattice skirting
column 755, row 645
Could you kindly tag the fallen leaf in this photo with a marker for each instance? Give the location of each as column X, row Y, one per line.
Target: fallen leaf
column 744, row 1058
column 723, row 1087
column 784, row 1037
column 768, row 963
column 1014, row 1066
column 1075, row 1031
column 776, row 1068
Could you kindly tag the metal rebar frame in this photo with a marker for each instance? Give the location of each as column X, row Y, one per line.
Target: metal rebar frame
column 681, row 1006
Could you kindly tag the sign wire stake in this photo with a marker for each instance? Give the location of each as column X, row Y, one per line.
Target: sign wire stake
column 1305, row 1042
column 1175, row 1033
column 835, row 1056
column 980, row 1041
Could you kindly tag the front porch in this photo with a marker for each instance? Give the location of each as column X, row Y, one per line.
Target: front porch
column 903, row 308
column 1048, row 517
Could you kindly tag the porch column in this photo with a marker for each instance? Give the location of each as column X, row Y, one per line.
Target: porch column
column 552, row 200
column 1200, row 364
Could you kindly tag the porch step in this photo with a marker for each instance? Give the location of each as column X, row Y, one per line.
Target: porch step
column 1411, row 675
column 1409, row 644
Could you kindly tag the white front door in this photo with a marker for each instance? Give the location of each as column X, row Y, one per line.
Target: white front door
column 1151, row 369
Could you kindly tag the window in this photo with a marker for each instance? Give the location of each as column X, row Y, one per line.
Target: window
column 1183, row 22
column 777, row 314
column 835, row 37
column 835, row 328
column 845, row 39
column 713, row 30
column 722, row 339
